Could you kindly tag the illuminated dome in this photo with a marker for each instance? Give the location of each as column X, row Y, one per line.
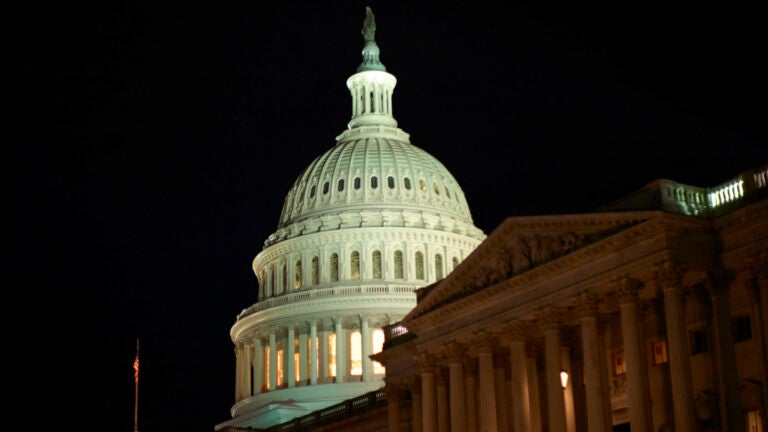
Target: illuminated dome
column 366, row 224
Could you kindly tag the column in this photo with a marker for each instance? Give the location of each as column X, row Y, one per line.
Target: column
column 532, row 350
column 639, row 406
column 487, row 403
column 367, row 347
column 323, row 369
column 340, row 351
column 593, row 382
column 441, row 382
column 258, row 363
column 470, row 392
column 247, row 365
column 238, row 372
column 670, row 276
column 731, row 416
column 416, row 405
column 394, row 394
column 426, row 364
column 550, row 324
column 500, row 383
column 272, row 359
column 313, row 364
column 521, row 420
column 454, row 353
column 290, row 377
column 565, row 364
column 758, row 285
column 303, row 353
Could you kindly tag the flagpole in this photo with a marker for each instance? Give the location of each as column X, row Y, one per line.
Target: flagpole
column 136, row 398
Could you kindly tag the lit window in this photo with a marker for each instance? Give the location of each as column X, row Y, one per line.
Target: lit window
column 619, row 363
column 376, row 264
column 438, row 266
column 354, row 265
column 422, row 185
column 398, row 265
column 332, row 355
column 378, row 345
column 334, row 267
column 266, row 365
column 659, row 352
column 297, row 280
column 315, row 270
column 391, row 182
column 698, row 340
column 742, row 328
column 279, row 367
column 356, row 353
column 419, row 266
column 407, row 183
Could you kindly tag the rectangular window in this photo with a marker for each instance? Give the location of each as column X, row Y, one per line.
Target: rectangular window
column 699, row 341
column 619, row 363
column 332, row 355
column 659, row 352
column 742, row 328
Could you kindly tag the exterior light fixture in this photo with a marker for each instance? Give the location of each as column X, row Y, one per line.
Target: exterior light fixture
column 564, row 378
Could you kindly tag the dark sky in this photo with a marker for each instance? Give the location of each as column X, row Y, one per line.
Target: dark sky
column 152, row 145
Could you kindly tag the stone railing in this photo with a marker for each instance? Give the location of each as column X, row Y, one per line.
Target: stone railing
column 360, row 404
column 334, row 291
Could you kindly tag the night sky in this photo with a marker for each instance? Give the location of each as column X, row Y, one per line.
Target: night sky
column 152, row 145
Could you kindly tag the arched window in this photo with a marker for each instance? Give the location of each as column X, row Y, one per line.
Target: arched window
column 334, row 267
column 272, row 280
column 407, row 183
column 376, row 264
column 398, row 265
column 354, row 265
column 422, row 185
column 341, row 185
column 326, row 188
column 374, row 182
column 284, row 285
column 297, row 279
column 315, row 270
column 357, row 182
column 438, row 266
column 420, row 266
column 391, row 182
column 436, row 188
column 455, row 262
column 312, row 191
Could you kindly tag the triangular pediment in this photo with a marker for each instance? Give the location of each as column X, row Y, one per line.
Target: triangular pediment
column 521, row 244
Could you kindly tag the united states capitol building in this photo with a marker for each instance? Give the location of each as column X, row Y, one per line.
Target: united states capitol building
column 383, row 308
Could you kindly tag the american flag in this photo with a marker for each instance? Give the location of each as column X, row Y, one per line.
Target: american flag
column 136, row 368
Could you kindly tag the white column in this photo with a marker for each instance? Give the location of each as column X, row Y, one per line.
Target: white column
column 313, row 365
column 428, row 392
column 272, row 360
column 367, row 347
column 341, row 369
column 521, row 411
column 500, row 385
column 454, row 352
column 555, row 403
column 290, row 377
column 487, row 404
column 593, row 383
column 670, row 278
column 258, row 363
column 570, row 411
column 323, row 353
column 247, row 365
column 238, row 372
column 639, row 408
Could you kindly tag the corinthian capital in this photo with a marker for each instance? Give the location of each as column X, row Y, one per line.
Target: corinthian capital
column 484, row 341
column 453, row 352
column 517, row 329
column 669, row 274
column 627, row 289
column 426, row 362
column 550, row 318
column 588, row 304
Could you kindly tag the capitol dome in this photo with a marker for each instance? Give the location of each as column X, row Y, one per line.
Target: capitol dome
column 366, row 224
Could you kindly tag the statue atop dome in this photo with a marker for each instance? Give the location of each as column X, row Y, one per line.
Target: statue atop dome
column 370, row 50
column 369, row 25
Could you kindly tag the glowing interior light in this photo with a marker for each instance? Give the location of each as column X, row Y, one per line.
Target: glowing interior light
column 564, row 378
